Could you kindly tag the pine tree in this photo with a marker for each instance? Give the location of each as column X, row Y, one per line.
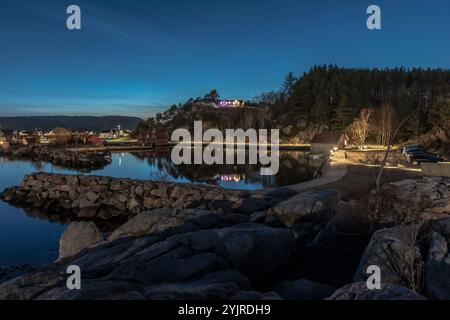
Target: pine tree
column 343, row 114
column 287, row 88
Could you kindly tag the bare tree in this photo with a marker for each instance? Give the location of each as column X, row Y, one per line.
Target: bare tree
column 378, row 208
column 359, row 128
column 385, row 123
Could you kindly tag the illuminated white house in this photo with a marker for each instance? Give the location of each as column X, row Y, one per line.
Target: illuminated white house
column 230, row 104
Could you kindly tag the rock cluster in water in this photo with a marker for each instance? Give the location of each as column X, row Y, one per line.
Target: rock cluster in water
column 236, row 245
column 59, row 156
column 105, row 198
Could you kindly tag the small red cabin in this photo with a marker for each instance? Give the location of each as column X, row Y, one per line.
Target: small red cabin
column 93, row 139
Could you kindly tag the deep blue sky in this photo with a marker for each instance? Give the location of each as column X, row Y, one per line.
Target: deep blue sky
column 137, row 57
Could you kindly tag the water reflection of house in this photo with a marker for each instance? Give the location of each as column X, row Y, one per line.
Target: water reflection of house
column 232, row 177
column 326, row 143
column 4, row 144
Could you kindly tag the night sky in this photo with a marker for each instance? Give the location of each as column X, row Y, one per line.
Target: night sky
column 138, row 57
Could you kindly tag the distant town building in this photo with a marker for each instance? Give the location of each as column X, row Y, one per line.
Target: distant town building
column 230, row 104
column 93, row 139
column 326, row 143
column 107, row 134
column 28, row 140
column 115, row 133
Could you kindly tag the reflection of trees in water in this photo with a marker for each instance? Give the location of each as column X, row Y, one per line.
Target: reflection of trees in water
column 294, row 168
column 37, row 165
column 164, row 169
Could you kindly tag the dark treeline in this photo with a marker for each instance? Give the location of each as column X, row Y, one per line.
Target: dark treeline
column 334, row 96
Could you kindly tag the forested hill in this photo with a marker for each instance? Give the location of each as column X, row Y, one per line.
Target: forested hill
column 47, row 123
column 332, row 97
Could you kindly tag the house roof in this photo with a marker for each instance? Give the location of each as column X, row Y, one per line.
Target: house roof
column 327, row 138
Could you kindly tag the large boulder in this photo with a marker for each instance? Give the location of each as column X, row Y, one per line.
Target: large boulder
column 77, row 237
column 303, row 290
column 394, row 250
column 249, row 205
column 149, row 222
column 316, row 205
column 359, row 291
column 254, row 250
column 152, row 267
column 437, row 275
column 30, row 286
column 409, row 200
column 168, row 222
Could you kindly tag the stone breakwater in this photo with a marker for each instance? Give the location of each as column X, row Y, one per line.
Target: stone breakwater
column 59, row 156
column 104, row 198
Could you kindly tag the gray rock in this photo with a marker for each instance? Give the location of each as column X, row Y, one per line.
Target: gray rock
column 30, row 286
column 258, row 216
column 149, row 222
column 254, row 250
column 77, row 237
column 437, row 275
column 307, row 205
column 359, row 291
column 303, row 290
column 249, row 205
column 390, row 249
column 215, row 286
column 204, row 264
column 98, row 289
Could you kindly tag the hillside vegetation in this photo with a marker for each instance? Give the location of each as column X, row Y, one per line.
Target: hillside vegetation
column 329, row 98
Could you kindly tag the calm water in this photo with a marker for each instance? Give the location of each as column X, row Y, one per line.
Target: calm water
column 29, row 240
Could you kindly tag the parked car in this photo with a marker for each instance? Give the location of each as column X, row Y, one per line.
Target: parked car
column 416, row 152
column 417, row 158
column 407, row 148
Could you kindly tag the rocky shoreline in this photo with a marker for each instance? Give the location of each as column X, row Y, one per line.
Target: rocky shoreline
column 58, row 156
column 218, row 244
